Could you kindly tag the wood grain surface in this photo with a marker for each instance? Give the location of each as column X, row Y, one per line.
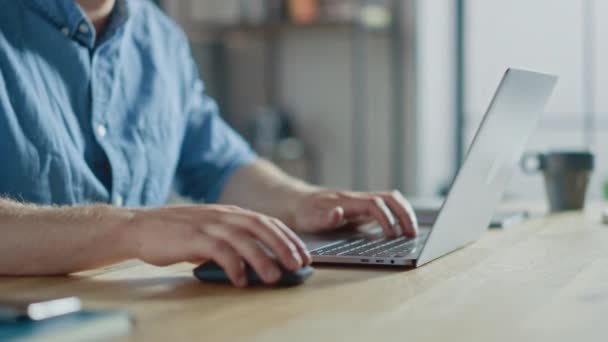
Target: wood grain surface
column 543, row 280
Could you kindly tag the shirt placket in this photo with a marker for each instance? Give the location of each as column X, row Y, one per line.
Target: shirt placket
column 106, row 128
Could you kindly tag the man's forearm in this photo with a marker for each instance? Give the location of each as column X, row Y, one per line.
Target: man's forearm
column 40, row 240
column 263, row 187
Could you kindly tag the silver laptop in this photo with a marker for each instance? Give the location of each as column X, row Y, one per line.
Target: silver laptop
column 494, row 153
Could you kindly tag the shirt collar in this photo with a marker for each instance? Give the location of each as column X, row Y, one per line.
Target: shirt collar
column 72, row 21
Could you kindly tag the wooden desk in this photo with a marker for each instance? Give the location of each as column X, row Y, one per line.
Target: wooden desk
column 545, row 280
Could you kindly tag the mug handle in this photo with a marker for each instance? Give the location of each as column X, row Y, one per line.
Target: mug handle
column 526, row 162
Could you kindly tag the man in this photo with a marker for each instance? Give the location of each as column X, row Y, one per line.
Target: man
column 100, row 102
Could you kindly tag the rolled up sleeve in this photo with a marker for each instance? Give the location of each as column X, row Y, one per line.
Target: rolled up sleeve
column 211, row 150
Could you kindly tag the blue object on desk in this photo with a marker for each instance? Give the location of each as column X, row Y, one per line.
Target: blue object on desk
column 80, row 326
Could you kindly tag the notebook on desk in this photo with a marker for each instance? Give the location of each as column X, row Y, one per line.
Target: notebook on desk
column 79, row 326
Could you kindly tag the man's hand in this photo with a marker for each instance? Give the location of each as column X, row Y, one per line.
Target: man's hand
column 324, row 210
column 263, row 187
column 63, row 240
column 226, row 234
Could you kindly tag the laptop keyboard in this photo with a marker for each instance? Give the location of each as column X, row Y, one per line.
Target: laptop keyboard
column 389, row 248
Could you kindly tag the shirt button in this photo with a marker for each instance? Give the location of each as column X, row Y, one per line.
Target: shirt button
column 102, row 131
column 83, row 28
column 119, row 201
column 65, row 31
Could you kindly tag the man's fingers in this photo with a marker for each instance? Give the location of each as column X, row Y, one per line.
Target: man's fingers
column 224, row 255
column 326, row 216
column 262, row 228
column 245, row 245
column 263, row 264
column 285, row 248
column 403, row 211
column 373, row 206
column 299, row 244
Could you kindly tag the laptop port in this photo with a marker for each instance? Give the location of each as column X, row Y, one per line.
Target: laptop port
column 392, row 261
column 379, row 261
column 364, row 260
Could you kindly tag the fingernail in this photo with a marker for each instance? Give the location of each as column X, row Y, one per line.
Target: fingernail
column 241, row 281
column 273, row 274
column 297, row 263
column 335, row 215
column 307, row 258
column 397, row 229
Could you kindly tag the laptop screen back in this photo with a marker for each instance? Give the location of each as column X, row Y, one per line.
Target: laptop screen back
column 493, row 156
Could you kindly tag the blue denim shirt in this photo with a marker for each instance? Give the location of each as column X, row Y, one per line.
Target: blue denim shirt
column 117, row 118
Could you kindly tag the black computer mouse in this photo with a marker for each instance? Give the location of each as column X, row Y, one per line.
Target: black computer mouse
column 211, row 272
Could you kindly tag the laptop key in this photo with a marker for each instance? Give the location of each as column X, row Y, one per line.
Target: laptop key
column 385, row 245
column 333, row 248
column 403, row 248
column 400, row 251
column 402, row 255
column 372, row 248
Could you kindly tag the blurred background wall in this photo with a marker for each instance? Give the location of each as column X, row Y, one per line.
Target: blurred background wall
column 380, row 94
column 564, row 37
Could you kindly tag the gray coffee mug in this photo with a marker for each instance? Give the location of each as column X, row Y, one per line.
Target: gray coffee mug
column 566, row 176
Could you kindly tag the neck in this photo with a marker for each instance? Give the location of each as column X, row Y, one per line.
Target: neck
column 98, row 12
